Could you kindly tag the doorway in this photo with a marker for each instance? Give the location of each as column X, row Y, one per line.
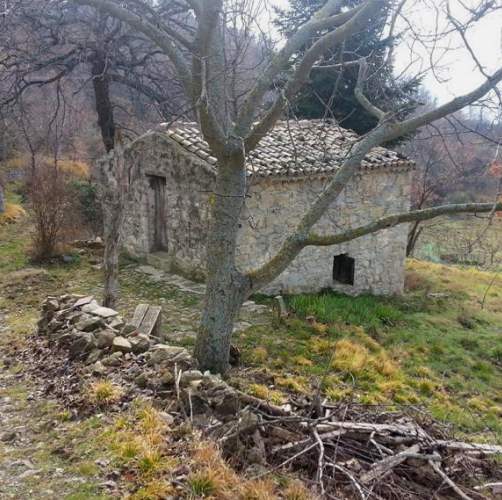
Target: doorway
column 157, row 213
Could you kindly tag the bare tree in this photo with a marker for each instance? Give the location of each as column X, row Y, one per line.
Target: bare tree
column 3, row 156
column 202, row 73
column 44, row 43
column 59, row 44
column 454, row 157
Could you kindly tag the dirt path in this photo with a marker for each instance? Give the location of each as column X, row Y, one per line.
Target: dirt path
column 32, row 464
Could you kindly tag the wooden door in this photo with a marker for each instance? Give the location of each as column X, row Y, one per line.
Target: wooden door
column 158, row 215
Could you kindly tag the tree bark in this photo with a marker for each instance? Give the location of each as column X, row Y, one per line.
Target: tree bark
column 111, row 185
column 413, row 236
column 112, row 215
column 227, row 287
column 2, row 199
column 104, row 107
column 113, row 194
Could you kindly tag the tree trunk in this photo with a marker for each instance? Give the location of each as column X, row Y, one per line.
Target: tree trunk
column 413, row 236
column 104, row 107
column 112, row 229
column 114, row 189
column 227, row 288
column 2, row 199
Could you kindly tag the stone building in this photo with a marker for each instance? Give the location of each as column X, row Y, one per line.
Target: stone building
column 168, row 210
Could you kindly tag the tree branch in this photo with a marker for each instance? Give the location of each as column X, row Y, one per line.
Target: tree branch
column 296, row 243
column 358, row 92
column 394, row 220
column 456, row 104
column 152, row 32
column 281, row 61
column 297, row 80
column 207, row 70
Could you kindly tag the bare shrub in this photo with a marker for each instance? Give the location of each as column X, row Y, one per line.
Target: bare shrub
column 51, row 198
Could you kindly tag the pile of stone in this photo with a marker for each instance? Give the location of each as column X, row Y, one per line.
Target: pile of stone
column 100, row 337
column 91, row 333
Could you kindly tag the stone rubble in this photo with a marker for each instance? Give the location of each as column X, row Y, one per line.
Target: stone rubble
column 91, row 332
column 105, row 342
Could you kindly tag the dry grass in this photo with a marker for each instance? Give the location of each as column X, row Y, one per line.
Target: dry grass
column 258, row 355
column 13, row 212
column 350, row 357
column 293, row 383
column 104, row 393
column 263, row 392
column 77, row 169
column 139, row 442
column 213, row 478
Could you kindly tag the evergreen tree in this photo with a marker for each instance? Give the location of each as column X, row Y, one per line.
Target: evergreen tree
column 331, row 92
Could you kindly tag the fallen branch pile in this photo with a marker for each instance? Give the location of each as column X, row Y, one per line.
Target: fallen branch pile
column 358, row 451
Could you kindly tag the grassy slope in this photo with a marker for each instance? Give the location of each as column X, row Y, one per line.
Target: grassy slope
column 435, row 346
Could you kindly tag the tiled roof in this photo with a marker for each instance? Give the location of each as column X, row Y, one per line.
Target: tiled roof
column 294, row 149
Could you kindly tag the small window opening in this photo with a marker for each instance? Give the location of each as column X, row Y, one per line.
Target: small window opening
column 343, row 269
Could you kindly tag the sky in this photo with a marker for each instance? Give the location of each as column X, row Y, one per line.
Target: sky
column 456, row 72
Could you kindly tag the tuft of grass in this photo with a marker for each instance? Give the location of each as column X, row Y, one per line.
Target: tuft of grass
column 258, row 355
column 88, row 469
column 150, row 420
column 302, row 361
column 262, row 489
column 293, row 383
column 104, row 392
column 350, row 356
column 13, row 212
column 154, row 490
column 263, row 392
column 202, row 484
column 296, row 490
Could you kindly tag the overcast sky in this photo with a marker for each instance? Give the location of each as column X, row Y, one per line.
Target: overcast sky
column 455, row 69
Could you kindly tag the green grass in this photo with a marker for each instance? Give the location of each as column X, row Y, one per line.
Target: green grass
column 435, row 346
column 13, row 247
column 365, row 310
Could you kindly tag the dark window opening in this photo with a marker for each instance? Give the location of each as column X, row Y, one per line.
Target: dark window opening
column 343, row 269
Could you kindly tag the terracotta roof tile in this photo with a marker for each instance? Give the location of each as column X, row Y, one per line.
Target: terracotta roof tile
column 294, row 149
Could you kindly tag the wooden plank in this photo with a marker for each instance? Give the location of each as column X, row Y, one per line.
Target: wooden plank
column 139, row 314
column 151, row 321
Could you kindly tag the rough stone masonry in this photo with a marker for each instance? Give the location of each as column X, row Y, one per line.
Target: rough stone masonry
column 173, row 172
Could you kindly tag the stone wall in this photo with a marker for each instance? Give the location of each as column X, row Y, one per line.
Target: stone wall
column 272, row 209
column 188, row 187
column 275, row 207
